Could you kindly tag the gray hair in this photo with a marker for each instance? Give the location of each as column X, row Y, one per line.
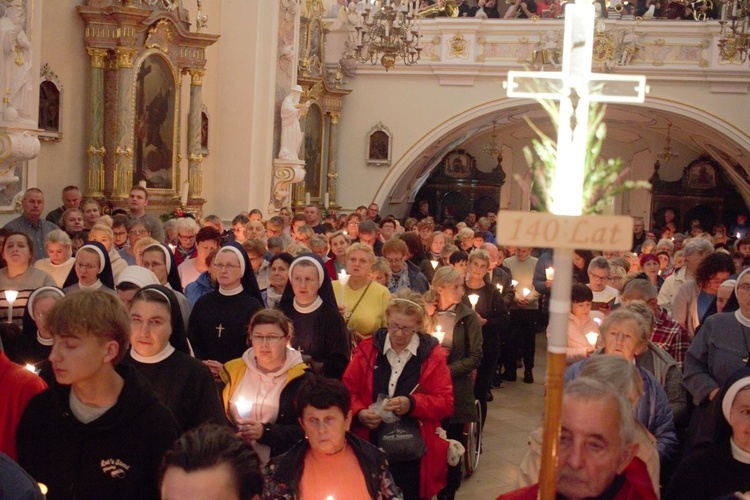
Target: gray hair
column 640, row 307
column 590, row 389
column 186, row 224
column 697, row 245
column 599, row 263
column 58, row 236
column 623, row 314
column 616, row 371
column 639, row 289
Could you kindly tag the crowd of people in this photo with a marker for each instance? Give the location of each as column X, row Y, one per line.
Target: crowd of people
column 163, row 359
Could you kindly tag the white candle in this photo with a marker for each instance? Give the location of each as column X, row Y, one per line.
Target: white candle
column 184, row 193
column 514, row 282
column 343, row 280
column 499, row 288
column 244, row 407
column 439, row 334
column 434, row 264
column 592, row 337
column 142, row 184
column 550, row 273
column 525, row 292
column 326, row 200
column 307, row 198
column 30, row 367
column 171, row 247
column 10, row 296
column 474, row 298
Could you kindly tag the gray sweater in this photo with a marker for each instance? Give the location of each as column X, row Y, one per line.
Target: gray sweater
column 720, row 348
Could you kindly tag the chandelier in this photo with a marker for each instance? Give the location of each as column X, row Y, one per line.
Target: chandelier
column 667, row 153
column 492, row 148
column 388, row 32
column 735, row 39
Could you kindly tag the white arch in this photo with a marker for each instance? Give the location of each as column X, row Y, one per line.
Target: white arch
column 483, row 112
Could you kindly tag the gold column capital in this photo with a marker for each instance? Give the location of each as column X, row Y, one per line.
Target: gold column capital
column 196, row 76
column 98, row 57
column 125, row 57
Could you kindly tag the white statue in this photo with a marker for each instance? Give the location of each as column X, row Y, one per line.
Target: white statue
column 16, row 63
column 291, row 131
column 631, row 45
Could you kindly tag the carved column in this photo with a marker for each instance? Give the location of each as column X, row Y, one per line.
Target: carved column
column 96, row 149
column 195, row 174
column 125, row 141
column 333, row 173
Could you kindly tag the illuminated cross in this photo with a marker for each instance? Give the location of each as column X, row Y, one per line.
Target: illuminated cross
column 220, row 329
column 575, row 87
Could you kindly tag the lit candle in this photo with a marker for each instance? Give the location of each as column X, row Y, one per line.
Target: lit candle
column 346, row 232
column 598, row 321
column 434, row 264
column 474, row 298
column 30, row 367
column 330, row 497
column 439, row 334
column 592, row 337
column 184, row 193
column 739, row 236
column 514, row 282
column 244, row 407
column 499, row 288
column 550, row 273
column 171, row 247
column 10, row 296
column 343, row 280
column 525, row 292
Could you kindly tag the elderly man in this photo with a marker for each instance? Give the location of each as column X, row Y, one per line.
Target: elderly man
column 694, row 251
column 312, row 219
column 373, row 213
column 30, row 221
column 639, row 233
column 598, row 272
column 404, row 273
column 71, row 198
column 597, row 448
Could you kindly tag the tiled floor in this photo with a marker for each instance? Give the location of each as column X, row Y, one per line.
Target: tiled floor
column 516, row 410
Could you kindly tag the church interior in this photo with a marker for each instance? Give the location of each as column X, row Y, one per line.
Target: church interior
column 229, row 65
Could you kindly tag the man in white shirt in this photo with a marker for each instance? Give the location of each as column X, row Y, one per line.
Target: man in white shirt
column 598, row 272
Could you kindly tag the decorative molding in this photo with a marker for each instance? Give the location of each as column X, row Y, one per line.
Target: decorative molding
column 458, row 47
column 159, row 36
column 125, row 57
column 98, row 57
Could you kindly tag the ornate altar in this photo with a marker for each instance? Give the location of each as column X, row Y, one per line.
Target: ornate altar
column 138, row 57
column 457, row 187
column 703, row 193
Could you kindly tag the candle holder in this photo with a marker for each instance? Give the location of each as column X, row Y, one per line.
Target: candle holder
column 10, row 296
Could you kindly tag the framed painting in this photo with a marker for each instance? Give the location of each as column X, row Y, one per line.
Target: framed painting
column 314, row 127
column 316, row 45
column 50, row 105
column 379, row 146
column 155, row 119
column 458, row 164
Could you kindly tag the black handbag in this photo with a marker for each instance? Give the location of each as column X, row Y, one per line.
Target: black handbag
column 401, row 440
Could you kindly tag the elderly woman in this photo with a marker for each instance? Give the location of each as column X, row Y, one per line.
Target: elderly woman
column 650, row 270
column 160, row 352
column 724, row 467
column 72, row 221
column 91, row 271
column 465, row 239
column 278, row 277
column 91, row 212
column 319, row 330
column 463, row 341
column 409, row 368
column 262, row 385
column 206, row 239
column 625, row 333
column 339, row 242
column 695, row 297
column 720, row 348
column 137, row 230
column 186, row 229
column 363, row 300
column 255, row 229
column 59, row 259
column 324, row 407
column 19, row 275
column 104, row 235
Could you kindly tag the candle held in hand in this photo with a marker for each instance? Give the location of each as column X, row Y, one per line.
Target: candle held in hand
column 550, row 273
column 434, row 264
column 525, row 292
column 592, row 337
column 499, row 288
column 514, row 282
column 244, row 407
column 10, row 296
column 473, row 299
column 439, row 334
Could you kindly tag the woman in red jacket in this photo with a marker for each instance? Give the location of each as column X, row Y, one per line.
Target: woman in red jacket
column 410, row 369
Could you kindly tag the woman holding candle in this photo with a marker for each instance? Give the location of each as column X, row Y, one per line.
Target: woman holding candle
column 339, row 242
column 265, row 382
column 493, row 317
column 435, row 246
column 18, row 275
column 363, row 301
column 278, row 277
column 59, row 259
column 409, row 367
column 580, row 325
column 159, row 351
column 463, row 341
column 319, row 330
column 91, row 271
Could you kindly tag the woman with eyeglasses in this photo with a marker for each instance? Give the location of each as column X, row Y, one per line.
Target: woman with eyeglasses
column 407, row 369
column 319, row 330
column 137, row 230
column 160, row 352
column 218, row 323
column 695, row 300
column 352, row 227
column 262, row 384
column 91, row 271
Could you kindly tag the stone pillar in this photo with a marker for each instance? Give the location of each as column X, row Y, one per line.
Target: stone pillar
column 125, row 121
column 333, row 173
column 195, row 174
column 96, row 149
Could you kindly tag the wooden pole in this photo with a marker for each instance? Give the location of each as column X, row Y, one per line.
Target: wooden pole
column 559, row 309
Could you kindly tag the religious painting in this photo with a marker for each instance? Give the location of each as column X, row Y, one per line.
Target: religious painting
column 458, row 164
column 155, row 123
column 701, row 175
column 314, row 150
column 315, row 46
column 50, row 105
column 379, row 146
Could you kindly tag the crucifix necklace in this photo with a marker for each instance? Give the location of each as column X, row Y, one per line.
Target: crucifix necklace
column 220, row 329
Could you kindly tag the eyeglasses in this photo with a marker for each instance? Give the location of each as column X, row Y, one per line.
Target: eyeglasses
column 392, row 327
column 86, row 267
column 266, row 339
column 593, row 276
column 228, row 267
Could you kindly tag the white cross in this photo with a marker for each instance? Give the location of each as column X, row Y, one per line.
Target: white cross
column 575, row 87
column 220, row 329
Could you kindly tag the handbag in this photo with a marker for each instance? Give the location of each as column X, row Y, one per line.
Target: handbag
column 401, row 440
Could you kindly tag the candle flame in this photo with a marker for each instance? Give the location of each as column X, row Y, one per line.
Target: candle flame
column 30, row 367
column 11, row 295
column 434, row 264
column 526, row 292
column 514, row 282
column 592, row 337
column 244, row 407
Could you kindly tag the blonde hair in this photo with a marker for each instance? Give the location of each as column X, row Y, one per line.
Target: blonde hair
column 102, row 228
column 444, row 276
column 381, row 266
column 407, row 303
column 361, row 247
column 140, row 245
column 479, row 254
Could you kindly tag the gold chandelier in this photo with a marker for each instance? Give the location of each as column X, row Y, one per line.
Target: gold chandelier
column 735, row 39
column 667, row 152
column 389, row 32
column 492, row 148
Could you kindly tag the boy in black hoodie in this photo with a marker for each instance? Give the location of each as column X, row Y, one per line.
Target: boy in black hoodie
column 100, row 432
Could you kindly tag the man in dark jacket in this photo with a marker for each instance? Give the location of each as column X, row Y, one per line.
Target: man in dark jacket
column 101, row 432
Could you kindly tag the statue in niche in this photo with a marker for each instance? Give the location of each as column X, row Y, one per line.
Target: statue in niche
column 16, row 63
column 291, row 131
column 49, row 107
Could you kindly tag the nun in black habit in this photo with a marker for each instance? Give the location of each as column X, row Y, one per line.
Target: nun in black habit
column 84, row 277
